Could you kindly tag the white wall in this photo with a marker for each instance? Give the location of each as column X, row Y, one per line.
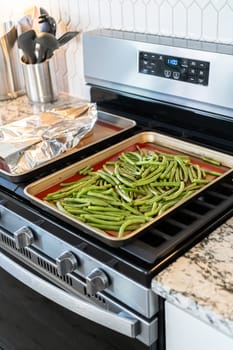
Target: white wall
column 210, row 20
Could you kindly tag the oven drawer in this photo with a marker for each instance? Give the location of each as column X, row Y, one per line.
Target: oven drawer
column 31, row 321
column 102, row 311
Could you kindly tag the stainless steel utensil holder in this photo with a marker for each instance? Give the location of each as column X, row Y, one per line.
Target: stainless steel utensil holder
column 40, row 81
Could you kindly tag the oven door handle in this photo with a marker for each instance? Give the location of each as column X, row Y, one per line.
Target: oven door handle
column 123, row 324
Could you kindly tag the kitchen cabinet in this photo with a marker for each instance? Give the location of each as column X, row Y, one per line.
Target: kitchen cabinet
column 185, row 332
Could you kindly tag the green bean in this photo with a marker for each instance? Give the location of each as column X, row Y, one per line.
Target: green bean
column 85, row 170
column 139, row 220
column 146, row 181
column 137, row 191
column 108, row 213
column 154, row 210
column 181, row 163
column 211, row 161
column 74, row 210
column 161, row 196
column 201, row 181
column 123, row 194
column 177, row 193
column 126, row 193
column 159, row 170
column 62, row 193
column 122, row 179
column 59, row 206
column 107, row 170
column 173, row 172
column 87, row 200
column 177, row 174
column 130, row 209
column 130, row 157
column 75, row 205
column 187, row 194
column 107, row 217
column 107, row 177
column 166, row 184
column 167, row 170
column 126, row 174
column 191, row 174
column 109, row 209
column 193, row 186
column 96, row 194
column 167, row 206
column 143, row 200
column 85, row 189
column 145, row 208
column 92, row 218
column 140, row 150
column 214, row 173
column 199, row 174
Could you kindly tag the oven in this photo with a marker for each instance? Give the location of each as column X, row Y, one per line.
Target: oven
column 64, row 288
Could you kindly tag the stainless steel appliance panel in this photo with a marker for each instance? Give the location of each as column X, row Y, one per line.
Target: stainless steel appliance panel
column 116, row 55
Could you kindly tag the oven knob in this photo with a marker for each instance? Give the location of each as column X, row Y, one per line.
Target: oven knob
column 66, row 263
column 97, row 281
column 24, row 237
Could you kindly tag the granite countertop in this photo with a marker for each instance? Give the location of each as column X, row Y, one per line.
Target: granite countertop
column 201, row 281
column 13, row 109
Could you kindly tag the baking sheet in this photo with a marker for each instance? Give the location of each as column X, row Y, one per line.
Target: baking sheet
column 107, row 125
column 38, row 189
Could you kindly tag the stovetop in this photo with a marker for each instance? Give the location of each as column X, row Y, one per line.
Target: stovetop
column 170, row 237
column 159, row 103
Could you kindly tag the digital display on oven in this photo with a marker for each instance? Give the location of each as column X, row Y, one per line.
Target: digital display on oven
column 176, row 68
column 172, row 61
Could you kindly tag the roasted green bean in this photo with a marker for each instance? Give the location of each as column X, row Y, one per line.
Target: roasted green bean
column 127, row 193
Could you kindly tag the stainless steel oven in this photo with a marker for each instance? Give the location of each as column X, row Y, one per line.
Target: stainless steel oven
column 60, row 286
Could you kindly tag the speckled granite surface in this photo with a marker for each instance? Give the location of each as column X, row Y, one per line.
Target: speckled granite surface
column 201, row 281
column 13, row 109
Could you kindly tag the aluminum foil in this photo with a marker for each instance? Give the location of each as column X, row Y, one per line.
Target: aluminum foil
column 34, row 140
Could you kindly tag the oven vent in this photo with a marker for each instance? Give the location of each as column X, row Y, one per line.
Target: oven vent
column 53, row 270
column 11, row 243
column 8, row 241
column 71, row 281
column 97, row 297
column 49, row 267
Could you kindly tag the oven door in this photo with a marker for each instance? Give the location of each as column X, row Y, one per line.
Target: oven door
column 36, row 314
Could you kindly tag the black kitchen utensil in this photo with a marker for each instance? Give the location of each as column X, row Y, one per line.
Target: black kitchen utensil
column 26, row 42
column 43, row 11
column 67, row 37
column 46, row 43
column 47, row 24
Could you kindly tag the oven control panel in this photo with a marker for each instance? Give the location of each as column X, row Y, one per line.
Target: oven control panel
column 176, row 68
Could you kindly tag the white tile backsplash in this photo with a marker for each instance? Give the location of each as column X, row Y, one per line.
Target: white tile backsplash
column 210, row 20
column 210, row 23
column 194, row 22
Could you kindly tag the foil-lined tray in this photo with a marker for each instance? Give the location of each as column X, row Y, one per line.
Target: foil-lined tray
column 28, row 144
column 38, row 190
